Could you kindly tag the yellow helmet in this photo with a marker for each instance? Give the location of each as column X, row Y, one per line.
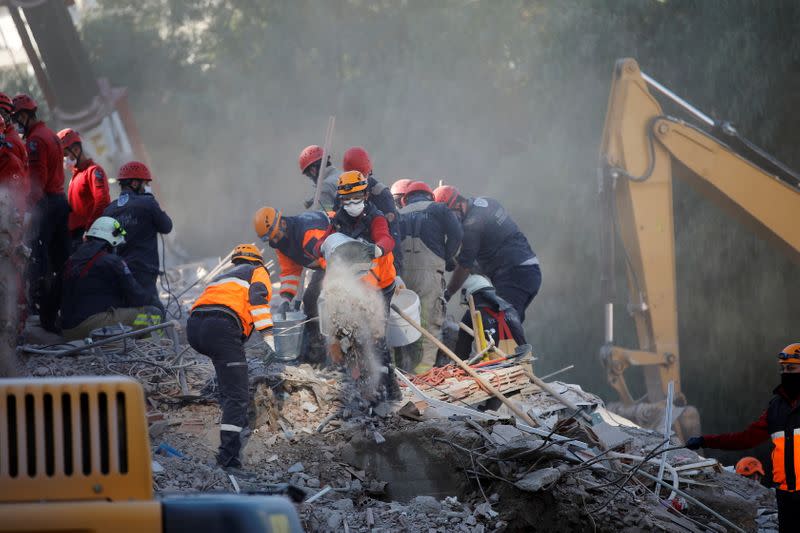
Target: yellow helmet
column 351, row 182
column 248, row 252
column 790, row 354
column 266, row 223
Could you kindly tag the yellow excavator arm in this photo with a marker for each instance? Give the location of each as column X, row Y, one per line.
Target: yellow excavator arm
column 638, row 149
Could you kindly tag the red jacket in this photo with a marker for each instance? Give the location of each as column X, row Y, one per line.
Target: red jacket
column 752, row 436
column 87, row 194
column 45, row 161
column 17, row 146
column 12, row 175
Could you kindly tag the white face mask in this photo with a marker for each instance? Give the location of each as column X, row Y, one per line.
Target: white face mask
column 354, row 209
column 69, row 163
column 148, row 189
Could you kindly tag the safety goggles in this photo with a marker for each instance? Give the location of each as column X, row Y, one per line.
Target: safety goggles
column 353, row 199
column 350, row 186
column 783, row 356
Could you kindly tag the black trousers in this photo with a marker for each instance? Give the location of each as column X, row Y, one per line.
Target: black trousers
column 788, row 511
column 518, row 286
column 219, row 336
column 49, row 252
column 148, row 281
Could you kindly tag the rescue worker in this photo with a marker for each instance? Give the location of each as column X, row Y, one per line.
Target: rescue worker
column 88, row 188
column 493, row 242
column 431, row 238
column 10, row 131
column 499, row 317
column 50, row 246
column 358, row 218
column 98, row 288
column 138, row 211
column 231, row 307
column 398, row 191
column 295, row 240
column 357, row 158
column 779, row 422
column 750, row 467
column 310, row 161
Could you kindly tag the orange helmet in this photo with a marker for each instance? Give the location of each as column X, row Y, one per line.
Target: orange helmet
column 248, row 252
column 68, row 137
column 790, row 354
column 747, row 466
column 134, row 170
column 357, row 158
column 309, row 155
column 266, row 223
column 351, row 182
column 446, row 194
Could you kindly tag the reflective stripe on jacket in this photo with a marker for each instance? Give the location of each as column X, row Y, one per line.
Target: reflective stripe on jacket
column 246, row 290
column 298, row 247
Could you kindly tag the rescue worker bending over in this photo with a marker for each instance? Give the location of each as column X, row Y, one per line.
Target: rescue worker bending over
column 234, row 304
column 493, row 241
column 99, row 289
column 398, row 191
column 50, row 246
column 295, row 240
column 358, row 218
column 310, row 161
column 138, row 211
column 88, row 188
column 357, row 158
column 499, row 317
column 11, row 134
column 780, row 422
column 431, row 238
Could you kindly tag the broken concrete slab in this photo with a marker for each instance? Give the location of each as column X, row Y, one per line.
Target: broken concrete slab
column 538, row 479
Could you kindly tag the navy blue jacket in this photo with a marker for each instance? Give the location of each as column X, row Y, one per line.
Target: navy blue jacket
column 95, row 280
column 301, row 240
column 491, row 238
column 142, row 218
column 435, row 225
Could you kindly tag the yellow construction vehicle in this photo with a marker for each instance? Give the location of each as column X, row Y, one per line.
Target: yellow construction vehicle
column 639, row 145
column 75, row 457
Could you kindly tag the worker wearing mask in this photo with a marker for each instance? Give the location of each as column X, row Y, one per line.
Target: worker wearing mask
column 295, row 240
column 50, row 246
column 431, row 238
column 138, row 211
column 398, row 191
column 310, row 162
column 493, row 241
column 10, row 132
column 88, row 188
column 780, row 422
column 356, row 158
column 358, row 218
column 499, row 318
column 98, row 288
column 232, row 306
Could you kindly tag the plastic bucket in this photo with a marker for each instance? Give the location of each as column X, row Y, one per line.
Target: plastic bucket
column 288, row 335
column 398, row 331
column 324, row 319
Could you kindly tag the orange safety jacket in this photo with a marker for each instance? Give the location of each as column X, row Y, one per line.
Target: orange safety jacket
column 783, row 424
column 245, row 290
column 297, row 249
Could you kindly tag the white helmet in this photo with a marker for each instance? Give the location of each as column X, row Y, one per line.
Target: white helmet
column 108, row 229
column 473, row 284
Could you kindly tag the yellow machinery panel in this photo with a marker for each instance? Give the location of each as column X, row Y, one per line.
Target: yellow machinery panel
column 81, row 517
column 77, row 438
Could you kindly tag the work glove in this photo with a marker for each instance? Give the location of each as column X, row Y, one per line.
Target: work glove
column 694, row 443
column 450, row 265
column 284, row 306
column 377, row 252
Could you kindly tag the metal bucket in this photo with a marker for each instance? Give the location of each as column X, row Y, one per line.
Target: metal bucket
column 339, row 249
column 288, row 335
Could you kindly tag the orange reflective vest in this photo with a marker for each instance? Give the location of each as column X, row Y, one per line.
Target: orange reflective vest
column 783, row 424
column 245, row 290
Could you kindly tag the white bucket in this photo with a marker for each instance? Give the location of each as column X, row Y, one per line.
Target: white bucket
column 398, row 331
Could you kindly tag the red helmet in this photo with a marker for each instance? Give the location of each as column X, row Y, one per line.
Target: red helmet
column 399, row 187
column 309, row 155
column 356, row 158
column 134, row 170
column 68, row 137
column 419, row 186
column 446, row 194
column 5, row 103
column 23, row 102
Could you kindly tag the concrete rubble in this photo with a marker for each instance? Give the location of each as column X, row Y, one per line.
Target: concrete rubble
column 421, row 464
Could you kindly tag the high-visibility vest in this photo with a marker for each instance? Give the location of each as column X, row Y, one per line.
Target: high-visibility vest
column 783, row 424
column 245, row 290
column 298, row 247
